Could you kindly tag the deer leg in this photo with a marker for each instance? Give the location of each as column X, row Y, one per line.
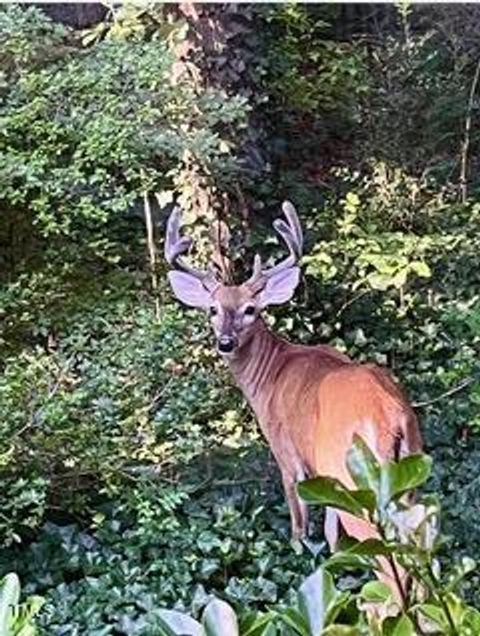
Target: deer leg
column 292, row 471
column 331, row 528
column 298, row 509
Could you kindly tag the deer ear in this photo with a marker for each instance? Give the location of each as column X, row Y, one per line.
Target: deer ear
column 189, row 290
column 279, row 287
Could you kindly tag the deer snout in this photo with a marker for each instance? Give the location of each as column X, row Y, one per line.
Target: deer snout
column 226, row 344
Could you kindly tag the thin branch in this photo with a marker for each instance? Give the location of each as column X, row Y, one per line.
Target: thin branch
column 152, row 252
column 455, row 389
column 466, row 138
column 351, row 301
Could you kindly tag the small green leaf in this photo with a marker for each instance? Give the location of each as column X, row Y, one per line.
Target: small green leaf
column 421, row 269
column 376, row 592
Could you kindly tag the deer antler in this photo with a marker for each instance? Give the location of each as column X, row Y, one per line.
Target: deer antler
column 176, row 246
column 291, row 232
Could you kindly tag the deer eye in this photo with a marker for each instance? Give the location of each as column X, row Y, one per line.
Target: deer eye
column 249, row 310
column 213, row 311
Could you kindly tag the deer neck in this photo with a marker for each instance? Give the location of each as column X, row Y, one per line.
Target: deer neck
column 254, row 363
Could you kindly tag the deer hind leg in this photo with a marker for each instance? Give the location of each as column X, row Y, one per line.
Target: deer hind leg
column 391, row 573
column 331, row 528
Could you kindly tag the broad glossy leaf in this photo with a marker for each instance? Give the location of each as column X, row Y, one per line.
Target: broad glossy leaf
column 471, row 620
column 330, row 492
column 399, row 477
column 255, row 625
column 175, row 623
column 434, row 614
column 362, row 466
column 399, row 626
column 295, row 620
column 9, row 598
column 219, row 619
column 341, row 561
column 318, row 599
column 342, row 630
column 371, row 547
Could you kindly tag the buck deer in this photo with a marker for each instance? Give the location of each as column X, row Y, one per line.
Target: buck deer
column 310, row 401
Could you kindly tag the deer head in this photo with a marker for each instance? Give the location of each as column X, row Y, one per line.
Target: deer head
column 234, row 309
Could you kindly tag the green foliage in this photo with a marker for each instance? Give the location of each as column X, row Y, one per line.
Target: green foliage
column 407, row 537
column 133, row 477
column 307, row 70
column 85, row 136
column 17, row 619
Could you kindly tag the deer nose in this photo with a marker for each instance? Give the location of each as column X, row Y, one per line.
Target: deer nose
column 226, row 344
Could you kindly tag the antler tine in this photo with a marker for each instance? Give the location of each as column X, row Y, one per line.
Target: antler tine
column 294, row 223
column 257, row 271
column 291, row 233
column 176, row 245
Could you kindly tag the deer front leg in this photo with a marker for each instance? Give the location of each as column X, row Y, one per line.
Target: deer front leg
column 298, row 509
column 292, row 471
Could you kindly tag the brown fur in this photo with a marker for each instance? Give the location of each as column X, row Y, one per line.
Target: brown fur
column 310, row 402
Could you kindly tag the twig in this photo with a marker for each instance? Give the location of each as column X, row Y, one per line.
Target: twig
column 152, row 251
column 351, row 301
column 455, row 389
column 466, row 137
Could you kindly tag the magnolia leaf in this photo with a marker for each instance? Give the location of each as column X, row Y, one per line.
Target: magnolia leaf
column 399, row 626
column 434, row 614
column 397, row 478
column 362, row 465
column 471, row 620
column 294, row 619
column 256, row 625
column 371, row 547
column 341, row 561
column 219, row 619
column 9, row 599
column 174, row 623
column 341, row 630
column 319, row 600
column 330, row 492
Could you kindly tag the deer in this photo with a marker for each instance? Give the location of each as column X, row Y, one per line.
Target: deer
column 310, row 401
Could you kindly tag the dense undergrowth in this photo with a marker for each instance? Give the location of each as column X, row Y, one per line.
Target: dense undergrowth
column 133, row 475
